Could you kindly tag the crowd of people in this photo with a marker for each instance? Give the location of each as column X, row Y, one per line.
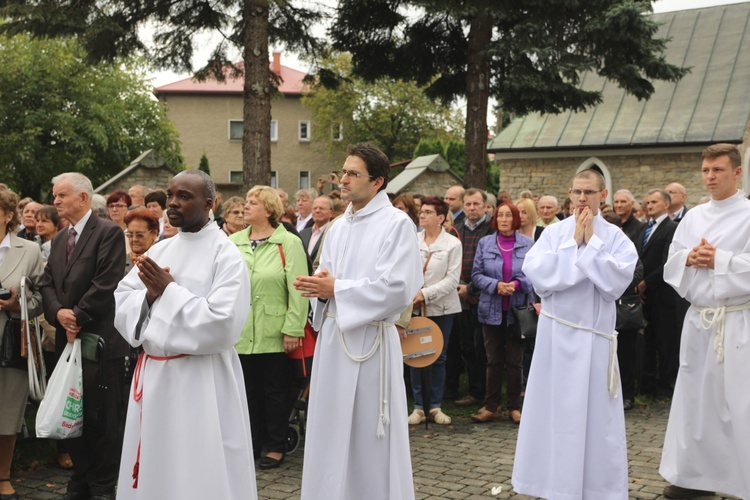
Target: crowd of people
column 159, row 276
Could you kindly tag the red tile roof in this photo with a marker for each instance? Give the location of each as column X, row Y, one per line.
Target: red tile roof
column 290, row 84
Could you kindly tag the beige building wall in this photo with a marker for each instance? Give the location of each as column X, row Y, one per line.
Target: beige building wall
column 638, row 173
column 203, row 124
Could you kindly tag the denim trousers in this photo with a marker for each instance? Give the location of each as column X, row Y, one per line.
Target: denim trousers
column 437, row 377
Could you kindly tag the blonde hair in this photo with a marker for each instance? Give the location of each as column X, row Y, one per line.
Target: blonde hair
column 271, row 202
column 528, row 204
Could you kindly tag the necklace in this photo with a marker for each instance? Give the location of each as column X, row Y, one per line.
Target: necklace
column 502, row 248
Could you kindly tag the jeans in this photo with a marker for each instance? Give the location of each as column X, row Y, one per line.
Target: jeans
column 437, row 369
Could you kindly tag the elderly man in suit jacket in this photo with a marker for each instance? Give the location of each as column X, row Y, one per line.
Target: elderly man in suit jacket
column 312, row 236
column 84, row 268
column 660, row 300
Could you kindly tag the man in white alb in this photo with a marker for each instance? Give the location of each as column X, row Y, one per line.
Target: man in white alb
column 188, row 429
column 707, row 445
column 357, row 443
column 571, row 443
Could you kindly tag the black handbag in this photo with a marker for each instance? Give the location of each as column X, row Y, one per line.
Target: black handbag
column 10, row 350
column 629, row 313
column 526, row 319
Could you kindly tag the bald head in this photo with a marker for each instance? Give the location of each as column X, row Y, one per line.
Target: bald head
column 678, row 195
column 454, row 197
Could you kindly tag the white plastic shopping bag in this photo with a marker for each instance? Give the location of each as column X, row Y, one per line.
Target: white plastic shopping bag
column 60, row 414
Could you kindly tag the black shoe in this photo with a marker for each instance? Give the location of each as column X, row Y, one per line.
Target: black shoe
column 8, row 496
column 270, row 463
column 672, row 491
column 627, row 404
column 74, row 495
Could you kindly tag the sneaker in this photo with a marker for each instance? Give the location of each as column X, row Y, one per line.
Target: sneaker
column 440, row 418
column 468, row 401
column 672, row 491
column 416, row 417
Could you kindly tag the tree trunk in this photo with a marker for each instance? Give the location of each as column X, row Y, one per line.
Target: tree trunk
column 477, row 99
column 256, row 135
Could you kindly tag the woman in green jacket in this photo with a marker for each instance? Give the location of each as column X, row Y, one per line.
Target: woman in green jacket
column 275, row 327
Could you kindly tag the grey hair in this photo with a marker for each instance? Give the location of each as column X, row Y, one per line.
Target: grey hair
column 330, row 201
column 79, row 182
column 309, row 192
column 208, row 182
column 664, row 195
column 627, row 193
column 99, row 204
column 553, row 198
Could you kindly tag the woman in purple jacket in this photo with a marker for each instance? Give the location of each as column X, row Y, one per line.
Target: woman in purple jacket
column 497, row 273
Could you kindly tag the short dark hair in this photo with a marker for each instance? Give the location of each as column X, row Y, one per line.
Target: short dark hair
column 159, row 197
column 513, row 211
column 50, row 213
column 473, row 191
column 441, row 207
column 723, row 149
column 376, row 161
column 119, row 195
column 145, row 215
column 208, row 182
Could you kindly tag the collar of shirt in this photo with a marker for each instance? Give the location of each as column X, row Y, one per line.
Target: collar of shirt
column 658, row 221
column 472, row 228
column 301, row 223
column 81, row 224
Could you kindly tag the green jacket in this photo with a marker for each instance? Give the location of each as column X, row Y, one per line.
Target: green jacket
column 278, row 309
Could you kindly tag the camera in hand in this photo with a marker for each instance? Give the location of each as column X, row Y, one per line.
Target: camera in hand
column 4, row 294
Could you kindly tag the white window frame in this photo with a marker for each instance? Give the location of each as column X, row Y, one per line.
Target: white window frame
column 229, row 131
column 306, row 175
column 274, row 131
column 308, row 133
column 340, row 130
column 274, row 179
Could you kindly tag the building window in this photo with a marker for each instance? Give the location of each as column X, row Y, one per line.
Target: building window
column 236, row 176
column 304, row 131
column 274, row 179
column 304, row 179
column 235, row 130
column 337, row 132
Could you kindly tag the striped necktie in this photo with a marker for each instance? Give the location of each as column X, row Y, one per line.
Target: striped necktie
column 648, row 231
column 71, row 242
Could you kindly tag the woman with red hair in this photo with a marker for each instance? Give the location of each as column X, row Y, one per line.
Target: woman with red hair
column 497, row 274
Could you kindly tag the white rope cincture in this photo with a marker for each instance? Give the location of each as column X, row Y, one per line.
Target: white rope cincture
column 613, row 370
column 380, row 340
column 716, row 317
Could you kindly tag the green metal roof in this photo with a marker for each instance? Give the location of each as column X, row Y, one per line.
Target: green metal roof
column 710, row 104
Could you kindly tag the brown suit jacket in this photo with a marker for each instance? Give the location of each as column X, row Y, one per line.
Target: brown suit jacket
column 87, row 282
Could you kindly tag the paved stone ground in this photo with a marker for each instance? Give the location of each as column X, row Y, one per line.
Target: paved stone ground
column 464, row 460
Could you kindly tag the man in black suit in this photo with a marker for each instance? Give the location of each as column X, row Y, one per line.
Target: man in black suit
column 312, row 236
column 662, row 341
column 624, row 202
column 454, row 197
column 85, row 265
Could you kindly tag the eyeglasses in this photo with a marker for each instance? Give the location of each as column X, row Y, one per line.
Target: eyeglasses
column 135, row 236
column 118, row 206
column 587, row 192
column 355, row 174
column 426, row 212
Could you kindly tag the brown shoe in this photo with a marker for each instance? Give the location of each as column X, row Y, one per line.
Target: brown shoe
column 467, row 401
column 672, row 491
column 515, row 416
column 485, row 415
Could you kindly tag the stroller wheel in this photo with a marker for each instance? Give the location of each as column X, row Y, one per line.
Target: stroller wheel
column 292, row 439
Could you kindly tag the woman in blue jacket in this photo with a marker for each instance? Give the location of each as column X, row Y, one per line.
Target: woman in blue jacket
column 497, row 274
